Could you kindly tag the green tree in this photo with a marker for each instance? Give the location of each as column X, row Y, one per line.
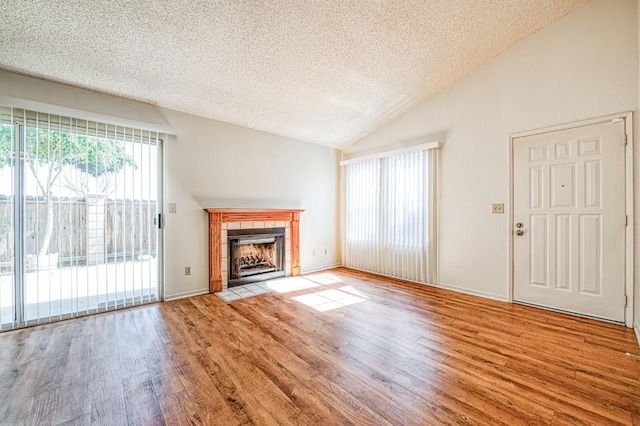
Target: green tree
column 47, row 153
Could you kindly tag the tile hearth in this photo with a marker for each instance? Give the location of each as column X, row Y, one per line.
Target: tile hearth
column 243, row 291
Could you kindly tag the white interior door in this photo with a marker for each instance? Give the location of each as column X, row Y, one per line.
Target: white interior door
column 569, row 216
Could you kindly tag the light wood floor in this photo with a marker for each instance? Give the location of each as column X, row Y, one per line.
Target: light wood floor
column 400, row 354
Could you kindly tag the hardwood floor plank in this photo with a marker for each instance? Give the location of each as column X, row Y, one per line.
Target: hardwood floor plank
column 209, row 384
column 39, row 408
column 165, row 373
column 543, row 391
column 173, row 414
column 78, row 421
column 421, row 376
column 141, row 403
column 105, row 377
column 29, row 346
column 378, row 385
column 109, row 411
column 72, row 401
column 397, row 353
column 282, row 369
column 258, row 395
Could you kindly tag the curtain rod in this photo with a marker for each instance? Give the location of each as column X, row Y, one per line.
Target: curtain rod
column 428, row 145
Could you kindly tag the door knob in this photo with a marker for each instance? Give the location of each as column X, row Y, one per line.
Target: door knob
column 519, row 232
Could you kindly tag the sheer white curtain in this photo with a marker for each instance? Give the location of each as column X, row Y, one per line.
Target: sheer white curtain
column 389, row 215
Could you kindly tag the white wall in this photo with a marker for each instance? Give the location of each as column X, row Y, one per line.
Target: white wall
column 637, row 198
column 202, row 169
column 584, row 65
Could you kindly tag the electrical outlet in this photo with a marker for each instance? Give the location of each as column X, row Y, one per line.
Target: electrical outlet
column 187, row 270
column 497, row 208
column 325, row 252
column 173, row 208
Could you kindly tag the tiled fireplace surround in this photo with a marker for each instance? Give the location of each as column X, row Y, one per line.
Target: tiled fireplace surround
column 221, row 220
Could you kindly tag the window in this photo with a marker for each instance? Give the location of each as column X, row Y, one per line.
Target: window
column 389, row 220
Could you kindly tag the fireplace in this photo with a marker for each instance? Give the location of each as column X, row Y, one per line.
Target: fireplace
column 255, row 255
column 225, row 223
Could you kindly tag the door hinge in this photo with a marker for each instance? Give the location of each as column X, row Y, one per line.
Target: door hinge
column 625, row 138
column 626, row 220
column 625, row 300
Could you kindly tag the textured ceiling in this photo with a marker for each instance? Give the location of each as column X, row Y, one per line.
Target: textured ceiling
column 323, row 71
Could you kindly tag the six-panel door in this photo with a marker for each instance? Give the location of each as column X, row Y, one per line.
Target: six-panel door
column 569, row 197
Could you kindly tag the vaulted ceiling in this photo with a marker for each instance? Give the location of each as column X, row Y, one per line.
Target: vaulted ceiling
column 322, row 71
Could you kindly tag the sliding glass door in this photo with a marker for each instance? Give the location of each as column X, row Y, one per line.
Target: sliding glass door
column 7, row 226
column 78, row 219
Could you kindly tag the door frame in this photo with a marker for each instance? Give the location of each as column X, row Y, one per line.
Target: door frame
column 627, row 118
column 162, row 184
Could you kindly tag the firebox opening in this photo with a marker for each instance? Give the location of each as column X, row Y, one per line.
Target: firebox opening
column 255, row 255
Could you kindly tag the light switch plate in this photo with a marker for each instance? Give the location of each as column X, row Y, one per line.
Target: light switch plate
column 497, row 208
column 173, row 208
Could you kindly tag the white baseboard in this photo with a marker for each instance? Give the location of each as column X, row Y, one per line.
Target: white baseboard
column 322, row 268
column 186, row 294
column 472, row 292
column 636, row 328
column 446, row 287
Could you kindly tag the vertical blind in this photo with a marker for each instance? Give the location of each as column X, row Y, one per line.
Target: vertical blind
column 83, row 237
column 389, row 220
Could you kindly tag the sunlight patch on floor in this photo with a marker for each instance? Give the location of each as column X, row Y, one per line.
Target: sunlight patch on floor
column 324, row 278
column 289, row 284
column 329, row 299
column 350, row 289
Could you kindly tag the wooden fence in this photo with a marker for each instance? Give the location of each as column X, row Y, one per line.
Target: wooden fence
column 129, row 229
